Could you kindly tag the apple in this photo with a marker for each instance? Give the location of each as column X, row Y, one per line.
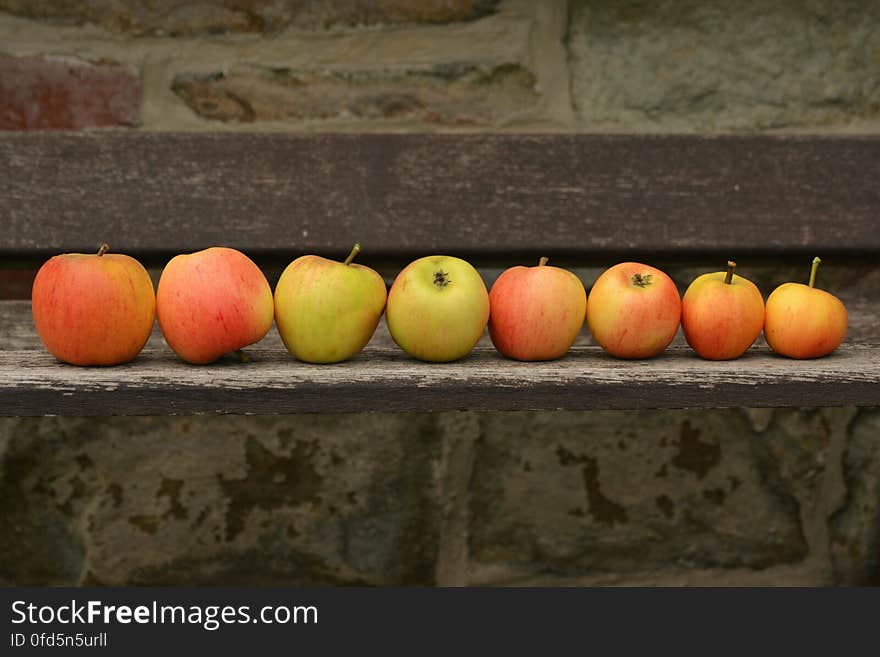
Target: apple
column 437, row 308
column 93, row 309
column 327, row 311
column 633, row 310
column 722, row 314
column 802, row 321
column 213, row 302
column 536, row 312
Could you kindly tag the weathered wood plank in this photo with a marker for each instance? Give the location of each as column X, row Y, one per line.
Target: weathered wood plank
column 412, row 194
column 384, row 379
column 17, row 331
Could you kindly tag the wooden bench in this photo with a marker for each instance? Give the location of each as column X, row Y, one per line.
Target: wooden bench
column 499, row 200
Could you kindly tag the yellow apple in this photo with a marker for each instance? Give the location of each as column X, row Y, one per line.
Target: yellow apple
column 437, row 308
column 802, row 321
column 327, row 311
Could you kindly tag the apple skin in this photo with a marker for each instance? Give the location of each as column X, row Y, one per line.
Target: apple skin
column 327, row 311
column 804, row 322
column 437, row 308
column 632, row 320
column 213, row 302
column 721, row 321
column 93, row 309
column 536, row 312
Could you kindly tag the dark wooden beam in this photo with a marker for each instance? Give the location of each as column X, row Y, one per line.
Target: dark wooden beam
column 414, row 194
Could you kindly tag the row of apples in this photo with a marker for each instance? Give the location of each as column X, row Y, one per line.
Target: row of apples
column 99, row 309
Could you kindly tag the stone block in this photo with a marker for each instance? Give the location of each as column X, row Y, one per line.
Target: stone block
column 855, row 527
column 579, row 494
column 191, row 17
column 444, row 95
column 304, row 500
column 703, row 66
column 68, row 93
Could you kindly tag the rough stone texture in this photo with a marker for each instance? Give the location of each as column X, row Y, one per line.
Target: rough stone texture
column 713, row 65
column 709, row 497
column 504, row 71
column 602, row 65
column 454, row 95
column 298, row 500
column 190, row 17
column 583, row 494
column 855, row 528
column 48, row 92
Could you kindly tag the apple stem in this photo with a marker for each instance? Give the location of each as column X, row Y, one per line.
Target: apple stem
column 816, row 262
column 354, row 251
column 104, row 248
column 728, row 278
column 543, row 261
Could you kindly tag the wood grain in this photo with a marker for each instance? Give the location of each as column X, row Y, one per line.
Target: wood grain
column 383, row 378
column 402, row 195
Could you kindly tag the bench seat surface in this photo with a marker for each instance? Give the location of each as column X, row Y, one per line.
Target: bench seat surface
column 383, row 378
column 492, row 196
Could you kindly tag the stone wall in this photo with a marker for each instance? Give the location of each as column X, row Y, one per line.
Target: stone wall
column 697, row 65
column 744, row 496
column 379, row 65
column 682, row 497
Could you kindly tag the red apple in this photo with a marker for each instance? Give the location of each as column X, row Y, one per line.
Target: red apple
column 722, row 314
column 93, row 309
column 633, row 310
column 802, row 321
column 536, row 312
column 213, row 302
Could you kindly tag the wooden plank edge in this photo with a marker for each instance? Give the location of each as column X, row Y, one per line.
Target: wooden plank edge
column 390, row 397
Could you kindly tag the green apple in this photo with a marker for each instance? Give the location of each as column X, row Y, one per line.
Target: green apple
column 438, row 308
column 327, row 311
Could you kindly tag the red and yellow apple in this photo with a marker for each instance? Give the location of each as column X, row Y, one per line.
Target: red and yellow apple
column 327, row 311
column 213, row 302
column 536, row 312
column 437, row 308
column 93, row 309
column 633, row 310
column 722, row 314
column 802, row 321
